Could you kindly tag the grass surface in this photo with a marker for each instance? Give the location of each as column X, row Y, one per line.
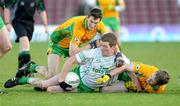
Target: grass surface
column 163, row 55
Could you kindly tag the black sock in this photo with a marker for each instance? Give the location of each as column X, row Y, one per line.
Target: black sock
column 23, row 58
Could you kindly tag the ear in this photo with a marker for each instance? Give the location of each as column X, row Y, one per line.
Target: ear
column 114, row 48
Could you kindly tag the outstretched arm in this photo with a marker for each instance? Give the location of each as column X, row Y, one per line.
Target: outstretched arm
column 66, row 67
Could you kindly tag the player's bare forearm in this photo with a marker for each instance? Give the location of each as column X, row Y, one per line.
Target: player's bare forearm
column 44, row 20
column 118, row 70
column 75, row 49
column 66, row 67
column 135, row 80
column 44, row 17
column 7, row 15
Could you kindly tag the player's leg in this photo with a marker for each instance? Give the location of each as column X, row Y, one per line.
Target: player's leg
column 24, row 54
column 37, row 82
column 117, row 87
column 115, row 26
column 53, row 63
column 23, row 37
column 5, row 44
column 57, row 88
column 47, row 72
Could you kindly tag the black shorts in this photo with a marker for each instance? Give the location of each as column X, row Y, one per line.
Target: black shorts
column 23, row 29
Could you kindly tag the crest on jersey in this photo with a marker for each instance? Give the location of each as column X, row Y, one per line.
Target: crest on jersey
column 137, row 67
column 76, row 39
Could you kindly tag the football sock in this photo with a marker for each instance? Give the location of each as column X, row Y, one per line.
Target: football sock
column 23, row 58
column 23, row 80
column 33, row 68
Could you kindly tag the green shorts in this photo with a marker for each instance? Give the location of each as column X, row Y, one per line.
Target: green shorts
column 1, row 23
column 82, row 88
column 112, row 22
column 124, row 77
column 55, row 49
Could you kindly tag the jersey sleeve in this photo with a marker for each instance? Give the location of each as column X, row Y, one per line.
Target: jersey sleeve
column 101, row 28
column 40, row 5
column 144, row 69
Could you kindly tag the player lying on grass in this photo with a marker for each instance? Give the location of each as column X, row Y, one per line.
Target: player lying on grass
column 151, row 79
column 93, row 64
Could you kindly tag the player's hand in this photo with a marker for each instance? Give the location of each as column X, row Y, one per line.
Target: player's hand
column 94, row 44
column 119, row 61
column 65, row 86
column 9, row 27
column 103, row 79
column 46, row 29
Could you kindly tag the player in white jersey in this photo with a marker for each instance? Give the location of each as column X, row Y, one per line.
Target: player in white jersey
column 92, row 64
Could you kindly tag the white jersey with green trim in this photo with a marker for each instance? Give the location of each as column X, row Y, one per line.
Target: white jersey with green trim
column 93, row 65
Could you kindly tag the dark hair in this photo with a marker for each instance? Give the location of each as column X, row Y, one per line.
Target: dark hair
column 96, row 13
column 111, row 38
column 162, row 77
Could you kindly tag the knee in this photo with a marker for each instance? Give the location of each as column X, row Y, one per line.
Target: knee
column 7, row 49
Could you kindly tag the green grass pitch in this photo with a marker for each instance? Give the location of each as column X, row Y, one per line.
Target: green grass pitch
column 163, row 55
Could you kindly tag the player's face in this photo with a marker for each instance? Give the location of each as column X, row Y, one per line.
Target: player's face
column 151, row 80
column 92, row 23
column 106, row 49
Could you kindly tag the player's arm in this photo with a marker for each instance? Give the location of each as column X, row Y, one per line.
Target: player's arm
column 75, row 59
column 135, row 80
column 131, row 72
column 43, row 14
column 7, row 14
column 105, row 78
column 44, row 20
column 74, row 49
column 66, row 67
